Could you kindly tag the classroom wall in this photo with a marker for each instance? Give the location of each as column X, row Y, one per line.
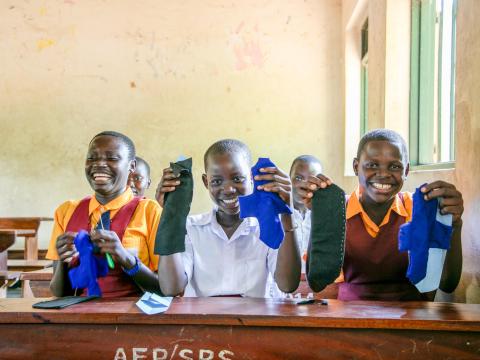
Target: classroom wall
column 467, row 94
column 175, row 76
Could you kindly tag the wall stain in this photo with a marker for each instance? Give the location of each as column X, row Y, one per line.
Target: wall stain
column 44, row 43
column 247, row 48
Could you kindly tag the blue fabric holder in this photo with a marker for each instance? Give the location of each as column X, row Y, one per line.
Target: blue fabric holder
column 427, row 230
column 266, row 207
column 90, row 268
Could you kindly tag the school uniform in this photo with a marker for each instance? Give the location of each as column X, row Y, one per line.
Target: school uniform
column 374, row 268
column 135, row 221
column 218, row 266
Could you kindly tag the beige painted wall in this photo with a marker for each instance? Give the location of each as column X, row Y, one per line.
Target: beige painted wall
column 175, row 76
column 467, row 88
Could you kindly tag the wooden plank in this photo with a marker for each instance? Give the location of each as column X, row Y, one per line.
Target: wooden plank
column 37, row 289
column 22, row 223
column 37, row 283
column 237, row 328
column 20, row 254
column 7, row 239
column 28, row 265
column 29, row 226
column 31, row 248
column 257, row 312
column 42, row 274
column 124, row 341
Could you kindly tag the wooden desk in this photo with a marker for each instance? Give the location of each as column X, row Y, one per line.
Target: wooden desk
column 36, row 283
column 7, row 239
column 28, row 265
column 237, row 328
column 27, row 227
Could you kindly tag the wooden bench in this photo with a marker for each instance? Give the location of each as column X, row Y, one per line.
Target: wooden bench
column 28, row 265
column 240, row 328
column 27, row 228
column 7, row 239
column 36, row 283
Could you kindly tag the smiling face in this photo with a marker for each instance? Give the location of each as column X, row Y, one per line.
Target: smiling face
column 227, row 177
column 107, row 167
column 139, row 180
column 381, row 171
column 299, row 173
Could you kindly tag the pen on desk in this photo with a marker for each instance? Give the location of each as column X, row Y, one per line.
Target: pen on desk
column 111, row 263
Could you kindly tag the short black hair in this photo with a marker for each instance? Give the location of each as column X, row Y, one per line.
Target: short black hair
column 140, row 160
column 309, row 159
column 227, row 146
column 124, row 138
column 383, row 135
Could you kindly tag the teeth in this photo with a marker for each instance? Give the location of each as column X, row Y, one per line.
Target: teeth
column 230, row 201
column 381, row 186
column 101, row 176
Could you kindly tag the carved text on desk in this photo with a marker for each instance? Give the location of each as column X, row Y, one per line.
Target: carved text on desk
column 163, row 354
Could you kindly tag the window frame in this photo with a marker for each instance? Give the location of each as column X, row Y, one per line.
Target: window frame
column 423, row 59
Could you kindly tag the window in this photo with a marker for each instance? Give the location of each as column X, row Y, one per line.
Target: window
column 364, row 81
column 432, row 94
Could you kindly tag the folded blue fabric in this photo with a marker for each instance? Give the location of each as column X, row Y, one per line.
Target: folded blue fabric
column 425, row 231
column 90, row 268
column 266, row 207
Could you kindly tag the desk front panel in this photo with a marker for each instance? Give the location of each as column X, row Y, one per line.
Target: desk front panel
column 134, row 341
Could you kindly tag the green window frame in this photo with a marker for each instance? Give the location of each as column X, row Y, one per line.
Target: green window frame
column 431, row 131
column 364, row 81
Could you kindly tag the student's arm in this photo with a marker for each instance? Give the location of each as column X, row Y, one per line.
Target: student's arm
column 452, row 269
column 108, row 242
column 171, row 268
column 288, row 268
column 451, row 203
column 172, row 277
column 60, row 284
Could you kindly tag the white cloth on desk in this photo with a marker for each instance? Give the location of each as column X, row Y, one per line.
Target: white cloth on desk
column 216, row 265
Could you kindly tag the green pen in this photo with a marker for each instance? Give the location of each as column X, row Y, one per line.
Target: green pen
column 111, row 263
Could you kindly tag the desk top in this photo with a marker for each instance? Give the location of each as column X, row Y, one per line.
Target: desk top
column 256, row 312
column 16, row 232
column 27, row 218
column 22, row 223
column 41, row 275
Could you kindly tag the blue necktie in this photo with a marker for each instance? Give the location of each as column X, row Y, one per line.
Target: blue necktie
column 105, row 220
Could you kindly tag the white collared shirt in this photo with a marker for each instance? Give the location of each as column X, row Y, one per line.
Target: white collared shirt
column 217, row 265
column 302, row 232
